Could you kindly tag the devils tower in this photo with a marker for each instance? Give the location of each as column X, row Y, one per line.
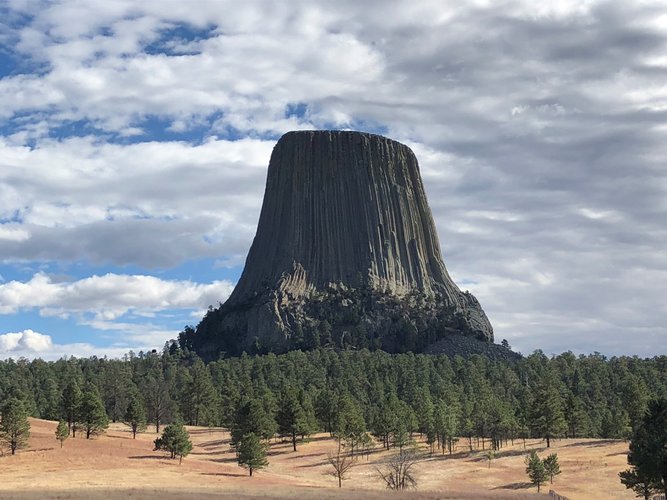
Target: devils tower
column 346, row 255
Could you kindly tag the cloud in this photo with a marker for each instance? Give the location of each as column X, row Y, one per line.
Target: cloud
column 79, row 199
column 25, row 341
column 108, row 297
column 540, row 129
column 30, row 344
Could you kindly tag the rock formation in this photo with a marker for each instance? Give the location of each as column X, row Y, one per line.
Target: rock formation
column 343, row 212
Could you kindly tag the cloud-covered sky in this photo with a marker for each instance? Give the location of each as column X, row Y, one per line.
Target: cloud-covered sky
column 135, row 136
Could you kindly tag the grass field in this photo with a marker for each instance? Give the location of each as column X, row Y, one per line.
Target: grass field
column 114, row 466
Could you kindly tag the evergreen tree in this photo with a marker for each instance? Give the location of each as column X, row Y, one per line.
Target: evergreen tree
column 252, row 452
column 62, row 432
column 648, row 448
column 349, row 424
column 642, row 485
column 93, row 417
column 252, row 418
column 200, row 397
column 326, row 406
column 551, row 466
column 576, row 417
column 14, row 424
column 71, row 402
column 291, row 418
column 135, row 414
column 156, row 393
column 635, row 399
column 535, row 470
column 48, row 399
column 176, row 440
column 547, row 418
column 115, row 387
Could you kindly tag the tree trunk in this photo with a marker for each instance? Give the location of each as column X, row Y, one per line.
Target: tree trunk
column 340, row 483
column 548, row 441
column 294, row 440
column 250, row 469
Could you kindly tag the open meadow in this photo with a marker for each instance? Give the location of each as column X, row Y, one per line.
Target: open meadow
column 114, row 465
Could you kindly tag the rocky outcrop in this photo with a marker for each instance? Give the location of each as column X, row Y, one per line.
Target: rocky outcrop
column 342, row 211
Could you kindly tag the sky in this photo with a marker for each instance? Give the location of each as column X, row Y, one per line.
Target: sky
column 135, row 138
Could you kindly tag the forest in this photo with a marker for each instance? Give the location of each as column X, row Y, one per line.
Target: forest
column 449, row 401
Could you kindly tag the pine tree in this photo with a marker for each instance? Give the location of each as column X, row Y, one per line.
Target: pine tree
column 547, row 418
column 115, row 387
column 176, row 440
column 252, row 452
column 551, row 466
column 577, row 419
column 291, row 417
column 135, row 414
column 71, row 402
column 62, row 432
column 252, row 418
column 635, row 398
column 93, row 417
column 200, row 397
column 535, row 470
column 156, row 394
column 642, row 485
column 14, row 425
column 349, row 424
column 648, row 447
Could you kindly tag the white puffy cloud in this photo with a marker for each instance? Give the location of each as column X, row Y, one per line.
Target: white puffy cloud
column 30, row 344
column 25, row 341
column 110, row 296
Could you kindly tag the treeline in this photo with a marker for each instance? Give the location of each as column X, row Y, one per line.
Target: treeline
column 484, row 403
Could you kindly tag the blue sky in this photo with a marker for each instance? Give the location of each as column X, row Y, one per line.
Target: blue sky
column 135, row 136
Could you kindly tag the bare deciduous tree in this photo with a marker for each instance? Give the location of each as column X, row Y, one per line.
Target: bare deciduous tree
column 398, row 473
column 341, row 464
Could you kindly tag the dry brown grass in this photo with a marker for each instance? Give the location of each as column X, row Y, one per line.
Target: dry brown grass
column 115, row 465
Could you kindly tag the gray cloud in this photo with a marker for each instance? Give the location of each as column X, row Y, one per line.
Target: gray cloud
column 540, row 129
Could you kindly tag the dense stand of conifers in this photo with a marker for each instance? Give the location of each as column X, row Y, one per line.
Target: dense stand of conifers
column 480, row 403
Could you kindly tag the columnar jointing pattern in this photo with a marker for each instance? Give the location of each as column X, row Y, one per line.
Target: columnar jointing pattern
column 344, row 208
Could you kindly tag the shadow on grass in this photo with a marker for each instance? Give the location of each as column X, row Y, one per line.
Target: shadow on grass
column 121, row 437
column 309, row 455
column 505, row 454
column 600, row 442
column 212, row 444
column 229, row 460
column 515, row 486
column 225, row 474
column 198, row 432
column 149, row 457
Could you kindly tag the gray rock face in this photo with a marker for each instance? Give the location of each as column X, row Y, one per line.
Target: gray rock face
column 341, row 210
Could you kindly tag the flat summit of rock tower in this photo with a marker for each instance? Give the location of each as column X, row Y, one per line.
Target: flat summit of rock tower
column 346, row 254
